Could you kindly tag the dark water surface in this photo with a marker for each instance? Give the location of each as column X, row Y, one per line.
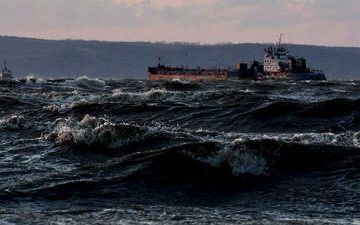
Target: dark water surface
column 90, row 151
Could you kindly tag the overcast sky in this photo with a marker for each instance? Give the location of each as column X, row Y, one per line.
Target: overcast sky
column 321, row 22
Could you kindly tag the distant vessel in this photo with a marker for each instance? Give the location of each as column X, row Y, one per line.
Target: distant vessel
column 6, row 74
column 278, row 64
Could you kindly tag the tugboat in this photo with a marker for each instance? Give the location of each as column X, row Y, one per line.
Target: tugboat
column 6, row 74
column 278, row 65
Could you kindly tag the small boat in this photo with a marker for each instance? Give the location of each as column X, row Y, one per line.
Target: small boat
column 6, row 74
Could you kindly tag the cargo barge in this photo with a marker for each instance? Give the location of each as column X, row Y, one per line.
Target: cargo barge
column 162, row 72
column 277, row 64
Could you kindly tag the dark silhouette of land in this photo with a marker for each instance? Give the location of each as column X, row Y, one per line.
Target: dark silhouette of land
column 72, row 58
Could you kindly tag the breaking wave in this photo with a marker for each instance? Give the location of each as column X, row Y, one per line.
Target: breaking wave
column 86, row 82
column 176, row 96
column 92, row 131
column 15, row 122
column 238, row 153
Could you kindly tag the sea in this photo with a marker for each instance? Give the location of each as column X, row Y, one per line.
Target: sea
column 95, row 151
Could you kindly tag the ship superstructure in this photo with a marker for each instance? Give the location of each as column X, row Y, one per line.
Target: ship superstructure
column 278, row 63
column 276, row 60
column 6, row 73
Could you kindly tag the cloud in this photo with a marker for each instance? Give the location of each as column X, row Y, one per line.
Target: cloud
column 159, row 4
column 328, row 22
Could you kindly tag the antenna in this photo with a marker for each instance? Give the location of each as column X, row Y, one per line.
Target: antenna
column 4, row 63
column 280, row 38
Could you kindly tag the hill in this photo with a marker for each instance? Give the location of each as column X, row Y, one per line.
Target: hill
column 71, row 58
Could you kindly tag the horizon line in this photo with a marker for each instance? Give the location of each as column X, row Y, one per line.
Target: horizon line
column 173, row 42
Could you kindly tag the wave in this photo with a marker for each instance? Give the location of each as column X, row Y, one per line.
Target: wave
column 15, row 122
column 263, row 154
column 177, row 96
column 32, row 79
column 140, row 153
column 238, row 159
column 86, row 82
column 337, row 115
column 91, row 131
column 180, row 85
column 240, row 153
column 202, row 162
column 72, row 100
column 333, row 107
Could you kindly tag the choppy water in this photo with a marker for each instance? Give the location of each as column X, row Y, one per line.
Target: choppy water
column 127, row 152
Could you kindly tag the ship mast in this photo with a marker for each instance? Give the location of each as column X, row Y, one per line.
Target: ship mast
column 280, row 39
